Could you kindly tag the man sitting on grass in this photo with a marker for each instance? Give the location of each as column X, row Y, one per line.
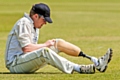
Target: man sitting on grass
column 24, row 55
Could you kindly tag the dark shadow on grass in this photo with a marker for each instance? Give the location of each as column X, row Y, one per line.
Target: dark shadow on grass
column 33, row 73
column 40, row 73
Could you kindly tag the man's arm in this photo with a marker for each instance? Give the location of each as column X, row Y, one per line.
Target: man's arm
column 32, row 47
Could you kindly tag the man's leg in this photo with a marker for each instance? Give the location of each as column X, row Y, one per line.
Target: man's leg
column 30, row 62
column 70, row 49
column 67, row 47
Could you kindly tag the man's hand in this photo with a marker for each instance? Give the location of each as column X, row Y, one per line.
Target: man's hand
column 50, row 43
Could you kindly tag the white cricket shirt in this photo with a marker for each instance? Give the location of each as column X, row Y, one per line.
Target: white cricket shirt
column 22, row 34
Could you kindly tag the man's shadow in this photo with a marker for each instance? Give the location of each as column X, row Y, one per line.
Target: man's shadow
column 33, row 73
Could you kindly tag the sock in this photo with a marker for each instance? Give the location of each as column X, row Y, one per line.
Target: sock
column 76, row 68
column 95, row 61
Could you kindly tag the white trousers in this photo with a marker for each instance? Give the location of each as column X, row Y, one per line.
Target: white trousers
column 30, row 62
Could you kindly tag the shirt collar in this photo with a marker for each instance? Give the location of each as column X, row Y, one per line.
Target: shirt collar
column 27, row 16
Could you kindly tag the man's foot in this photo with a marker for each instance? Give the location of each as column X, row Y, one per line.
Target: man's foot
column 87, row 69
column 104, row 60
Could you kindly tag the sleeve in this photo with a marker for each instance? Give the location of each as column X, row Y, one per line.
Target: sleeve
column 23, row 34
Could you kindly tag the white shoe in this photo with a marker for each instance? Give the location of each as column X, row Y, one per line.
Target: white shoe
column 104, row 60
column 87, row 69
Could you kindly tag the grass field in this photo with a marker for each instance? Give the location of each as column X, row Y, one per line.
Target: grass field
column 93, row 25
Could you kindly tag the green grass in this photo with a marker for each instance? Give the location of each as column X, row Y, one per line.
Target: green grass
column 93, row 25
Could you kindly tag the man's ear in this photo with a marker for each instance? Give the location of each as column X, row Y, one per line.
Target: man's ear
column 36, row 16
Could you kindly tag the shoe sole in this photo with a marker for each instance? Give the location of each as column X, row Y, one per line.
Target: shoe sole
column 110, row 55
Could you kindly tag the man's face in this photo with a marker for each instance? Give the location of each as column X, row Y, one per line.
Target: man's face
column 39, row 21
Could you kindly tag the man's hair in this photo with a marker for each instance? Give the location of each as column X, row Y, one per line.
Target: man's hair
column 32, row 13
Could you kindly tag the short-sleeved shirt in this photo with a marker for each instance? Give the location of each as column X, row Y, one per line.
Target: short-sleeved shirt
column 22, row 34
